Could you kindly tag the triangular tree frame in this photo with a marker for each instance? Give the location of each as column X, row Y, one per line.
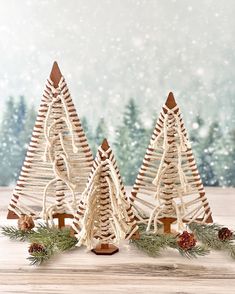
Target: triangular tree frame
column 56, row 117
column 159, row 184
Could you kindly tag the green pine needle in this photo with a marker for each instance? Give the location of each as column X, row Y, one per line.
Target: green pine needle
column 194, row 252
column 208, row 235
column 15, row 234
column 152, row 244
column 37, row 258
column 53, row 239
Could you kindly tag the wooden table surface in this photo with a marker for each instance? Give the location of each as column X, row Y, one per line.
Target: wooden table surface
column 129, row 271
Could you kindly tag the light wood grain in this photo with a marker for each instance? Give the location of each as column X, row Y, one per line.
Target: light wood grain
column 129, row 271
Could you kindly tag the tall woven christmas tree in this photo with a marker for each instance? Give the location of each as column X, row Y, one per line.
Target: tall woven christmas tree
column 168, row 188
column 104, row 216
column 58, row 160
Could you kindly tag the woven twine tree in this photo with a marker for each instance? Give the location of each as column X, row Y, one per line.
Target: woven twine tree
column 58, row 160
column 104, row 215
column 168, row 188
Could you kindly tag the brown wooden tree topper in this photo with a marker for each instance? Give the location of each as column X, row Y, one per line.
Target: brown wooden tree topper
column 168, row 188
column 58, row 160
column 104, row 215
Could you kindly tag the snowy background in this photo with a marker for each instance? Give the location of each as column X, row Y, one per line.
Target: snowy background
column 113, row 51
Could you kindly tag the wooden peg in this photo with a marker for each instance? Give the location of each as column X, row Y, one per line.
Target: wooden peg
column 167, row 222
column 61, row 219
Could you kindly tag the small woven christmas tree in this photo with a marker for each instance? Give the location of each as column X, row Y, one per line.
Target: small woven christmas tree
column 104, row 216
column 168, row 188
column 58, row 160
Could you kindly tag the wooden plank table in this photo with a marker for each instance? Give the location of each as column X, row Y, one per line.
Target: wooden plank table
column 128, row 271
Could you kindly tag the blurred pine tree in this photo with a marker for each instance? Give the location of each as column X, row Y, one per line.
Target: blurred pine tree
column 15, row 132
column 205, row 140
column 228, row 160
column 101, row 132
column 130, row 143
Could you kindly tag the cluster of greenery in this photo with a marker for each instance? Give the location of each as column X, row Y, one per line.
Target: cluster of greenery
column 48, row 241
column 208, row 235
column 52, row 239
column 214, row 150
column 205, row 234
column 153, row 244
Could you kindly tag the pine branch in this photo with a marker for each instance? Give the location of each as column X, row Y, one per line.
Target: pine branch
column 208, row 235
column 15, row 234
column 195, row 251
column 53, row 239
column 37, row 258
column 60, row 239
column 152, row 244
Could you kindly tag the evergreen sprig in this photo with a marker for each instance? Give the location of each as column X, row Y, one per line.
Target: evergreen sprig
column 208, row 235
column 198, row 250
column 16, row 234
column 54, row 240
column 52, row 236
column 37, row 258
column 152, row 244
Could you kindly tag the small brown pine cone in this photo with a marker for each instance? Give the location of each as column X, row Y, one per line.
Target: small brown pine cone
column 35, row 247
column 25, row 223
column 225, row 234
column 186, row 241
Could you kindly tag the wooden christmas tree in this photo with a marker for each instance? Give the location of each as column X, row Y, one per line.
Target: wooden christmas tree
column 168, row 188
column 104, row 216
column 58, row 160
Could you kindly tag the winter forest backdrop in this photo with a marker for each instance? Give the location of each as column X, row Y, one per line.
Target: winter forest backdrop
column 120, row 60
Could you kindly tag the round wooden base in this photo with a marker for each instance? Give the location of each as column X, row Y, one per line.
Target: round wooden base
column 105, row 249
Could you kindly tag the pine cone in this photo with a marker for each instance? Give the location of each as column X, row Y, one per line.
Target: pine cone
column 186, row 240
column 26, row 223
column 35, row 247
column 225, row 234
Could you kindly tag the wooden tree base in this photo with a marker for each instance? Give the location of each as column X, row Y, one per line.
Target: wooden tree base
column 105, row 249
